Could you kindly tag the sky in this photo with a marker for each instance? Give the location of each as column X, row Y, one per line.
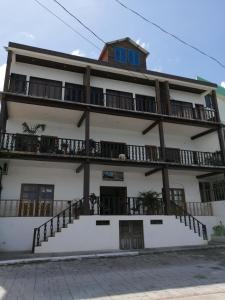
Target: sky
column 201, row 23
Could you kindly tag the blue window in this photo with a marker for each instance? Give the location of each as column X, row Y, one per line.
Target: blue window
column 133, row 57
column 120, row 54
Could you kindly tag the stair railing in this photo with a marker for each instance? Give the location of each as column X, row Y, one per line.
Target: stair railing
column 56, row 223
column 189, row 220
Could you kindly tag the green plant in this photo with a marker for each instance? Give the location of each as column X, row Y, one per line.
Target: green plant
column 33, row 129
column 219, row 230
column 150, row 201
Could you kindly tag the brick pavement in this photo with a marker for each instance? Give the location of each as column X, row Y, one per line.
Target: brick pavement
column 188, row 275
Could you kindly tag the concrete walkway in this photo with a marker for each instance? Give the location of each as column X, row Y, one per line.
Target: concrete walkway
column 194, row 274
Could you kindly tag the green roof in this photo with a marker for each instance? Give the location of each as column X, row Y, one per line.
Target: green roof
column 220, row 90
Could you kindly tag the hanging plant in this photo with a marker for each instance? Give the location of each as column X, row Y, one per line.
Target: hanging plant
column 33, row 129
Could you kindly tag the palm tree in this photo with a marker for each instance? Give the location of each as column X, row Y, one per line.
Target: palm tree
column 33, row 129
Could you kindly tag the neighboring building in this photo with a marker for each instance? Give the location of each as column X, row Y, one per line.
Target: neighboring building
column 74, row 126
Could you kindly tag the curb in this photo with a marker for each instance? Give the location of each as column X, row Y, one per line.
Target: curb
column 106, row 255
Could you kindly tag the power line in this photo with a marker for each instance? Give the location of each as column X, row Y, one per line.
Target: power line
column 171, row 34
column 78, row 20
column 68, row 25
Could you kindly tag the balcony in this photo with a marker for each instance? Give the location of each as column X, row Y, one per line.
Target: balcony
column 54, row 90
column 55, row 147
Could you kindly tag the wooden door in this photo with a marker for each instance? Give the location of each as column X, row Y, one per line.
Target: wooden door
column 113, row 200
column 36, row 200
column 131, row 235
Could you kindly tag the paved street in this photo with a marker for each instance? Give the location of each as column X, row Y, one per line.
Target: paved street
column 190, row 275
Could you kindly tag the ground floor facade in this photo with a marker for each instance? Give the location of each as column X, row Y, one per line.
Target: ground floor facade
column 35, row 191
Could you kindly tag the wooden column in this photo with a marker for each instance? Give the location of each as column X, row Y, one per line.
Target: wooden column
column 86, row 179
column 7, row 72
column 157, row 97
column 165, row 173
column 220, row 129
column 165, row 97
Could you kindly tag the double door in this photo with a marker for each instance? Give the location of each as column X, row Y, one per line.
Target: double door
column 36, row 200
column 131, row 235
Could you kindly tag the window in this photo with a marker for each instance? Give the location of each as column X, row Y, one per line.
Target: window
column 45, row 88
column 97, row 96
column 17, row 83
column 145, row 103
column 133, row 57
column 117, row 99
column 120, row 55
column 74, row 92
column 182, row 109
column 36, row 200
column 209, row 101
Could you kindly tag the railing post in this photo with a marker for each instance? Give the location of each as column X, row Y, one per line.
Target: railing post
column 204, row 232
column 34, row 240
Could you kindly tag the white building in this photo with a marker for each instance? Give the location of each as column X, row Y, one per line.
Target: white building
column 111, row 128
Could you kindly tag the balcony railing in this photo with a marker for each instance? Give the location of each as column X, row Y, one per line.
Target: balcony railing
column 68, row 93
column 104, row 205
column 54, row 146
column 29, row 208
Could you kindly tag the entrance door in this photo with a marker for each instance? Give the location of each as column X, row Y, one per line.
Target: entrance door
column 36, row 200
column 131, row 235
column 113, row 200
column 178, row 197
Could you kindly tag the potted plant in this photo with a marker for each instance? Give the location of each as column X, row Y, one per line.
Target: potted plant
column 150, row 201
column 218, row 233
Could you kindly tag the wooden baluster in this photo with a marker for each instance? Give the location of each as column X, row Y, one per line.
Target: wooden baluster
column 51, row 228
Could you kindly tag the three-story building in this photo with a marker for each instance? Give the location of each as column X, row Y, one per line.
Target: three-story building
column 82, row 138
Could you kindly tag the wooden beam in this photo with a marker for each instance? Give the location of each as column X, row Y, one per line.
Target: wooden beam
column 86, row 188
column 157, row 97
column 208, row 175
column 196, row 136
column 81, row 119
column 7, row 72
column 166, row 190
column 148, row 173
column 78, row 169
column 150, row 127
column 86, row 83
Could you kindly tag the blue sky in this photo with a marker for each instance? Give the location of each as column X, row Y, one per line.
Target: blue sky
column 201, row 23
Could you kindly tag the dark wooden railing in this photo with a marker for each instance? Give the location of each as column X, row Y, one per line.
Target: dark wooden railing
column 22, row 208
column 56, row 223
column 48, row 145
column 55, row 91
column 107, row 205
column 185, row 217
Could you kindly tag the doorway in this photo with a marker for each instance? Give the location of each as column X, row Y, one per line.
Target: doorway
column 36, row 200
column 131, row 235
column 113, row 200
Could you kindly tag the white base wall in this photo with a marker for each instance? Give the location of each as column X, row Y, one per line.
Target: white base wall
column 84, row 235
column 16, row 234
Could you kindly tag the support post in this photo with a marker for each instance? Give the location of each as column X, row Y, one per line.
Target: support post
column 86, row 188
column 7, row 72
column 165, row 97
column 165, row 173
column 157, row 97
column 86, row 83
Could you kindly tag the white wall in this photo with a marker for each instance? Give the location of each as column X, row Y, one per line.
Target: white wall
column 218, row 208
column 16, row 234
column 68, row 184
column 84, row 235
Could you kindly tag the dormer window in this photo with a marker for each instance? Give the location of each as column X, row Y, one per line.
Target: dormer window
column 126, row 56
column 120, row 55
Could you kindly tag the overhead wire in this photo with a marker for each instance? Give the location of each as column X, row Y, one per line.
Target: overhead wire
column 171, row 34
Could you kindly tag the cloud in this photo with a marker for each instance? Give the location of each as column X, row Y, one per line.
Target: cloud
column 78, row 52
column 27, row 35
column 223, row 84
column 2, row 76
column 142, row 44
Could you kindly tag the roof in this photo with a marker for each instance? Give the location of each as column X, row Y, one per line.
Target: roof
column 126, row 39
column 74, row 58
column 220, row 90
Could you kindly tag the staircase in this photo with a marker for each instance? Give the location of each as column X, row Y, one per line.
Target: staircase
column 55, row 224
column 64, row 231
column 189, row 221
